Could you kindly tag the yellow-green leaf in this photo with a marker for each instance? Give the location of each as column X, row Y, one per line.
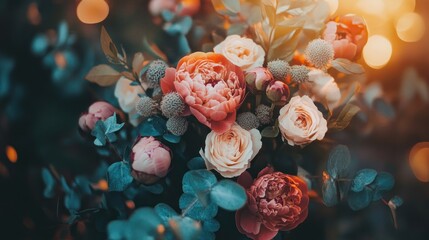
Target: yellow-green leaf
column 108, row 47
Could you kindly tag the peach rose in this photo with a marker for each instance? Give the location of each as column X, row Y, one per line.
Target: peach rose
column 230, row 153
column 210, row 85
column 128, row 96
column 348, row 35
column 300, row 122
column 321, row 87
column 241, row 51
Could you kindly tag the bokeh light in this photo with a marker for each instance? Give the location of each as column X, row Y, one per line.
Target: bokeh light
column 410, row 27
column 419, row 161
column 377, row 51
column 374, row 7
column 92, row 11
column 11, row 154
column 333, row 6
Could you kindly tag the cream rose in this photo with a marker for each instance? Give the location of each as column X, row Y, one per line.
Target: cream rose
column 321, row 87
column 230, row 153
column 128, row 96
column 300, row 122
column 241, row 51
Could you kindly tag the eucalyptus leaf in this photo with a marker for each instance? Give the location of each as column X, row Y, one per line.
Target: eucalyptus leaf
column 363, row 178
column 108, row 47
column 347, row 67
column 344, row 118
column 270, row 132
column 338, row 161
column 211, row 225
column 72, row 201
column 196, row 163
column 165, row 212
column 195, row 181
column 228, row 195
column 194, row 207
column 50, row 183
column 186, row 228
column 359, row 200
column 396, row 201
column 171, row 138
column 119, row 176
column 329, row 193
column 116, row 229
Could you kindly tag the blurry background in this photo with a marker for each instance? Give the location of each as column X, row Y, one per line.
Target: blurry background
column 45, row 52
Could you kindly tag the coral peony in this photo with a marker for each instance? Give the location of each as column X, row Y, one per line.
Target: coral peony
column 275, row 202
column 348, row 35
column 210, row 85
column 97, row 111
column 230, row 153
column 150, row 160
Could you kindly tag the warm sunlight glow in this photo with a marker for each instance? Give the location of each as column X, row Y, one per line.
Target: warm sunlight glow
column 377, row 51
column 410, row 27
column 333, row 5
column 92, row 11
column 11, row 154
column 373, row 7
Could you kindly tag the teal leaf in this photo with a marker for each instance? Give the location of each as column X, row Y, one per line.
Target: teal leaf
column 171, row 138
column 111, row 124
column 99, row 133
column 196, row 163
column 83, row 185
column 49, row 180
column 329, row 193
column 72, row 201
column 165, row 212
column 143, row 224
column 382, row 183
column 228, row 195
column 154, row 126
column 359, row 200
column 134, row 83
column 167, row 15
column 119, row 176
column 186, row 227
column 338, row 161
column 116, row 229
column 211, row 225
column 363, row 178
column 195, row 181
column 197, row 207
column 155, row 188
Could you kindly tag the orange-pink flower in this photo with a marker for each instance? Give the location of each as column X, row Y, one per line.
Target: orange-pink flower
column 210, row 85
column 348, row 35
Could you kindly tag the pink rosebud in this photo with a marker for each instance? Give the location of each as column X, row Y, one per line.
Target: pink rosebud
column 258, row 78
column 97, row 111
column 150, row 160
column 278, row 92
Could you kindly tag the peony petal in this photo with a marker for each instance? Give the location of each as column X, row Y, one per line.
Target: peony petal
column 245, row 180
column 167, row 82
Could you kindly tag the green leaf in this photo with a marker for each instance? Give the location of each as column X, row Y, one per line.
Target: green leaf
column 338, row 161
column 196, row 181
column 228, row 195
column 103, row 75
column 119, row 176
column 270, row 132
column 363, row 178
column 347, row 67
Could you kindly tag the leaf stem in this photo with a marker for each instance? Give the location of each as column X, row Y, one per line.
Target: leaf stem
column 187, row 209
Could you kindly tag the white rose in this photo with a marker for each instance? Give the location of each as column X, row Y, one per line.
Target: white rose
column 241, row 51
column 128, row 96
column 321, row 87
column 300, row 122
column 230, row 153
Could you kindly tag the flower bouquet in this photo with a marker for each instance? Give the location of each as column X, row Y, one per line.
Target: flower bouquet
column 241, row 113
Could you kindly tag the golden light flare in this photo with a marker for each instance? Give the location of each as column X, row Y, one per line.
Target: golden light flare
column 373, row 7
column 92, row 11
column 333, row 6
column 377, row 52
column 11, row 154
column 419, row 161
column 410, row 27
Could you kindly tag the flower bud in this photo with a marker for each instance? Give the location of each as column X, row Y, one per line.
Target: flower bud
column 278, row 92
column 97, row 111
column 150, row 160
column 258, row 78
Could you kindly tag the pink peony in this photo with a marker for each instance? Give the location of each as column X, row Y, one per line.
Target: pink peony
column 210, row 85
column 348, row 35
column 275, row 202
column 278, row 92
column 150, row 160
column 258, row 78
column 97, row 111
